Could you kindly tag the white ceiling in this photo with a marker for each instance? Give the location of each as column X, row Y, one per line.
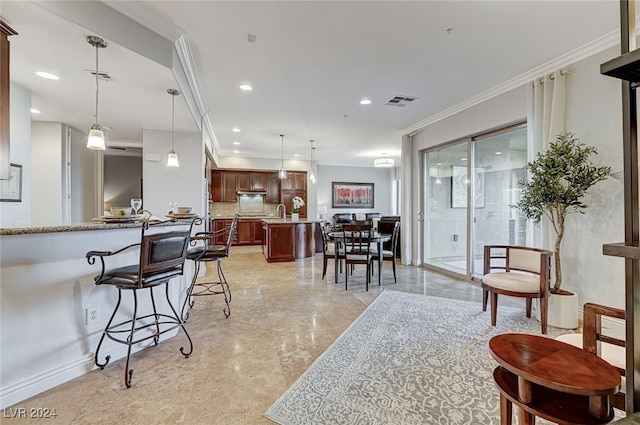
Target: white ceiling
column 311, row 64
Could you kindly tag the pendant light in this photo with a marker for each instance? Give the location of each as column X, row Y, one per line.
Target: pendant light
column 384, row 162
column 172, row 158
column 96, row 135
column 312, row 176
column 282, row 173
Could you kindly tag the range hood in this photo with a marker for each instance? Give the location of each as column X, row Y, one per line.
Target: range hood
column 252, row 192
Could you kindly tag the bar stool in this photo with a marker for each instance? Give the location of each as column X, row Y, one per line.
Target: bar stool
column 209, row 251
column 162, row 257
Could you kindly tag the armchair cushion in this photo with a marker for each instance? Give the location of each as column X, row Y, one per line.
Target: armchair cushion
column 512, row 281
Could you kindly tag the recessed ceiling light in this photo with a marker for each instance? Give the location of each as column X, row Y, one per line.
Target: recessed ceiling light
column 35, row 111
column 47, row 75
column 296, row 155
column 236, row 143
column 246, row 87
column 236, row 151
column 365, row 102
column 498, row 153
column 235, row 130
column 463, row 159
column 438, row 163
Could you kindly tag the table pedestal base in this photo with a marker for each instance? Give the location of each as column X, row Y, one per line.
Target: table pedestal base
column 552, row 405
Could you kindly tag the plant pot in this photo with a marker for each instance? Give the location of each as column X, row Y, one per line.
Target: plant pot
column 562, row 311
column 295, row 216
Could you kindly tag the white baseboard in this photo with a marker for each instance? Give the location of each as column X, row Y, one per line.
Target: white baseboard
column 36, row 384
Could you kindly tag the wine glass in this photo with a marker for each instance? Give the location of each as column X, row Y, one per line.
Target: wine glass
column 136, row 204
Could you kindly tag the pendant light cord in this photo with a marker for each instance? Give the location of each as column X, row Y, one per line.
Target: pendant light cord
column 173, row 119
column 97, row 85
column 282, row 151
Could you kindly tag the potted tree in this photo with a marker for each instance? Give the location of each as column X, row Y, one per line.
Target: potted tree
column 559, row 179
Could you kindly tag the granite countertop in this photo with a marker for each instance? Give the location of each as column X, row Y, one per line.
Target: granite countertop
column 9, row 231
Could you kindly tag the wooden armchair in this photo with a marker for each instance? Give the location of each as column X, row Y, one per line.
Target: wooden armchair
column 595, row 340
column 517, row 271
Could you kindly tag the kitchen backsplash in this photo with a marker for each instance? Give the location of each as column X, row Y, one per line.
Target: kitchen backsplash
column 229, row 209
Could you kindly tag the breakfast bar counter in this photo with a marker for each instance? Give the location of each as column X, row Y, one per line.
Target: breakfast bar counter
column 287, row 240
column 47, row 291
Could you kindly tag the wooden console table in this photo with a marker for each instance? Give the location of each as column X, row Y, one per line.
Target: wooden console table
column 553, row 380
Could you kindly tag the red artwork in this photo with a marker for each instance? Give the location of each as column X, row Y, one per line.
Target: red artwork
column 352, row 195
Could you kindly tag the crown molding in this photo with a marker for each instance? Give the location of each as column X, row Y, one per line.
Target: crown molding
column 565, row 60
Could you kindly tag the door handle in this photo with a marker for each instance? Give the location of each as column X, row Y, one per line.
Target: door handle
column 420, row 216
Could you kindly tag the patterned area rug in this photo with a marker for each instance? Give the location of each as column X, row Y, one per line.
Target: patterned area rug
column 408, row 359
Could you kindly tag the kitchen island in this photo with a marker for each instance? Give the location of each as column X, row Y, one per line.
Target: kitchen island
column 287, row 240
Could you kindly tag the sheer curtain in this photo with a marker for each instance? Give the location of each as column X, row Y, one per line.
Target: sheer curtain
column 545, row 120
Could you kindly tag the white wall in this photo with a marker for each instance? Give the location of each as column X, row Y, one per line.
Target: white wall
column 18, row 214
column 47, row 163
column 184, row 184
column 594, row 114
column 380, row 177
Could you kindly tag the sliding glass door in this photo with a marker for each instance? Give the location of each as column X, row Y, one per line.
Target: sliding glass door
column 463, row 214
column 445, row 244
column 499, row 163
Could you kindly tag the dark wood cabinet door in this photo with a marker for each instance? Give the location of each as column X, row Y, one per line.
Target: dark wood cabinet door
column 229, row 186
column 216, row 186
column 258, row 181
column 299, row 181
column 245, row 230
column 258, row 232
column 218, row 226
column 273, row 188
column 244, row 180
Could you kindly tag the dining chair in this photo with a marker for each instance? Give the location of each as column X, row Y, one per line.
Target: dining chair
column 356, row 248
column 602, row 343
column 516, row 271
column 389, row 255
column 329, row 251
column 203, row 253
column 162, row 258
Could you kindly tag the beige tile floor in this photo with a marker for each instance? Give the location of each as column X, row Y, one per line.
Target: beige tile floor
column 283, row 317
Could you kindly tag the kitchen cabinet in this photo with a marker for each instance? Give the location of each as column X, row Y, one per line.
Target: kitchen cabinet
column 218, row 226
column 251, row 181
column 294, row 185
column 224, row 186
column 248, row 232
column 296, row 180
column 273, row 188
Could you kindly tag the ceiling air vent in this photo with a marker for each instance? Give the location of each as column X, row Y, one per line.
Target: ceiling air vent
column 103, row 75
column 400, row 101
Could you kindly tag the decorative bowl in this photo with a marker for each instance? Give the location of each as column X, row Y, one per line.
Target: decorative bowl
column 184, row 210
column 120, row 210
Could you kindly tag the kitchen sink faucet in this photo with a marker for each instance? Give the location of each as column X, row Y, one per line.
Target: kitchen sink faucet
column 284, row 210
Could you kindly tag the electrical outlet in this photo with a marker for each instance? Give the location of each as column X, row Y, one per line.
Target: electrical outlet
column 92, row 315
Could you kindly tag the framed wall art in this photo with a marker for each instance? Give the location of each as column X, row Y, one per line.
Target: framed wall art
column 459, row 188
column 11, row 190
column 351, row 195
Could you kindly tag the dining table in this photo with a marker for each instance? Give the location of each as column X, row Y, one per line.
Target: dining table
column 376, row 237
